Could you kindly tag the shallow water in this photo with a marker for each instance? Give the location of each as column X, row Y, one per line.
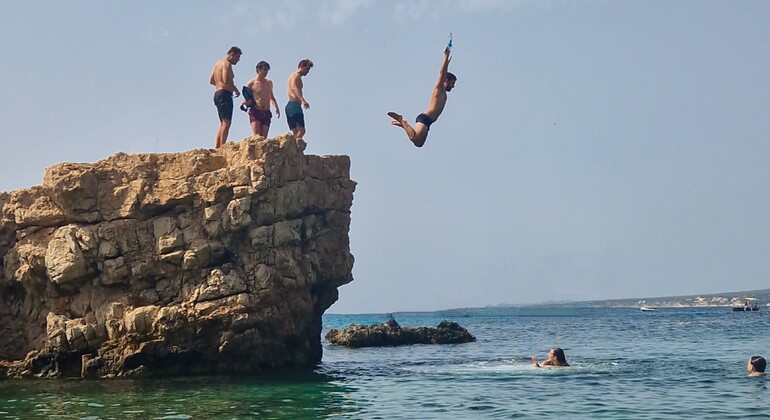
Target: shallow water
column 674, row 363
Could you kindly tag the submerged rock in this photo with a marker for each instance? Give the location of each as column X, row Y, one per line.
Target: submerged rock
column 202, row 262
column 391, row 334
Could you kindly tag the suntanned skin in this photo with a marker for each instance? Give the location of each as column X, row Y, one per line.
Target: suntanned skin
column 262, row 89
column 550, row 361
column 419, row 133
column 222, row 78
column 294, row 87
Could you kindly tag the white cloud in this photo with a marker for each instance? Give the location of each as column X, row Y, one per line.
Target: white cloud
column 338, row 12
column 420, row 9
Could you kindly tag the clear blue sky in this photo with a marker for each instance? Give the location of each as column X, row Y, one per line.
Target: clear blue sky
column 590, row 150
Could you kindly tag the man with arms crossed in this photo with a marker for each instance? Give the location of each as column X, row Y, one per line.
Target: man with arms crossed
column 294, row 115
column 222, row 79
column 262, row 91
column 446, row 81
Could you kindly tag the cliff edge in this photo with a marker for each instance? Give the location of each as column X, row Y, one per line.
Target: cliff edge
column 202, row 262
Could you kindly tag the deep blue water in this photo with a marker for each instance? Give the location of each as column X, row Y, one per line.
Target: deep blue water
column 626, row 364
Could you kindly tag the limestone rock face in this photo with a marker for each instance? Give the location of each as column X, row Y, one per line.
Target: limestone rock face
column 392, row 334
column 201, row 262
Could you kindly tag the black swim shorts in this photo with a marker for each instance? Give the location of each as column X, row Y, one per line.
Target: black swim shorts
column 425, row 119
column 223, row 99
column 294, row 115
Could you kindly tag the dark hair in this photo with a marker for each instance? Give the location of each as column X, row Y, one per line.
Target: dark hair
column 450, row 76
column 305, row 62
column 758, row 362
column 263, row 64
column 234, row 50
column 559, row 354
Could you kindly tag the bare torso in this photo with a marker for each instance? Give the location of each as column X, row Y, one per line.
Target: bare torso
column 222, row 76
column 262, row 90
column 437, row 103
column 295, row 87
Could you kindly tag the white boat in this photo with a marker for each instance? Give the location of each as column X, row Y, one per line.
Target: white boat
column 648, row 308
column 746, row 304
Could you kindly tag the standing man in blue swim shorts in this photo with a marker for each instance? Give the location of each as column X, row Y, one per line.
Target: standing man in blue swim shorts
column 297, row 102
column 222, row 78
column 446, row 81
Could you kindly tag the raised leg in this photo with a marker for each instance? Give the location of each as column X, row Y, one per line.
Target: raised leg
column 417, row 135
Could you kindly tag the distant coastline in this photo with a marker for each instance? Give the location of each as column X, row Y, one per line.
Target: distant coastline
column 715, row 300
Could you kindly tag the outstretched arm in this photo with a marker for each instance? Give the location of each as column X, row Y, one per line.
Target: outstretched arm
column 444, row 67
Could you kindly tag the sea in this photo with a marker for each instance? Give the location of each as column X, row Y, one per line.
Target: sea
column 676, row 363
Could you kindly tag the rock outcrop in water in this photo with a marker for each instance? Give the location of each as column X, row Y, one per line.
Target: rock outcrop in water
column 391, row 334
column 202, row 262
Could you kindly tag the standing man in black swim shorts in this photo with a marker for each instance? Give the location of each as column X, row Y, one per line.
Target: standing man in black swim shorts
column 446, row 81
column 222, row 78
column 262, row 91
column 294, row 115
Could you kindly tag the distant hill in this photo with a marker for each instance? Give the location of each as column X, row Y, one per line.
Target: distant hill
column 704, row 300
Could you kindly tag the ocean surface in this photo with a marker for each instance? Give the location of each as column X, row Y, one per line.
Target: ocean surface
column 626, row 364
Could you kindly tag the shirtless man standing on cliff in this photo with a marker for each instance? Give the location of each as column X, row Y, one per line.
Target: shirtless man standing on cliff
column 446, row 81
column 294, row 115
column 262, row 90
column 222, row 78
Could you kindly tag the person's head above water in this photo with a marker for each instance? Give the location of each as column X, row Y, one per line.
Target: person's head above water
column 756, row 365
column 558, row 354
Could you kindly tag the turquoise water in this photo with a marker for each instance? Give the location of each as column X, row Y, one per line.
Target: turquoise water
column 626, row 364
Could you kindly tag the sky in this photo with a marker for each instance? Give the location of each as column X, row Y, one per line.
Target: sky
column 590, row 149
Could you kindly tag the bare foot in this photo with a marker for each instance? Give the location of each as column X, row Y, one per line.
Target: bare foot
column 397, row 118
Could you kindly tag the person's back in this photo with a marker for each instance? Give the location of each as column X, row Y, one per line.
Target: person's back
column 222, row 73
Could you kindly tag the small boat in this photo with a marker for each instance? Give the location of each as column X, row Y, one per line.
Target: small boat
column 648, row 308
column 746, row 304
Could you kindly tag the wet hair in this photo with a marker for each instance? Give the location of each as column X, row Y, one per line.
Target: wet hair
column 450, row 76
column 234, row 50
column 305, row 62
column 263, row 65
column 758, row 362
column 559, row 354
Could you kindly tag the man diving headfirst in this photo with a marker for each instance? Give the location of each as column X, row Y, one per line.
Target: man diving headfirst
column 419, row 133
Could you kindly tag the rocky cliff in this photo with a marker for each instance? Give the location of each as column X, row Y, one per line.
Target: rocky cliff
column 202, row 262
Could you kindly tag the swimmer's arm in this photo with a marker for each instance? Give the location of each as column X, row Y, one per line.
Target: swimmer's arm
column 444, row 68
column 211, row 79
column 535, row 362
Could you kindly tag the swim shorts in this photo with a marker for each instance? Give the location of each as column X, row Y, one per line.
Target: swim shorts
column 294, row 115
column 425, row 119
column 263, row 116
column 223, row 99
